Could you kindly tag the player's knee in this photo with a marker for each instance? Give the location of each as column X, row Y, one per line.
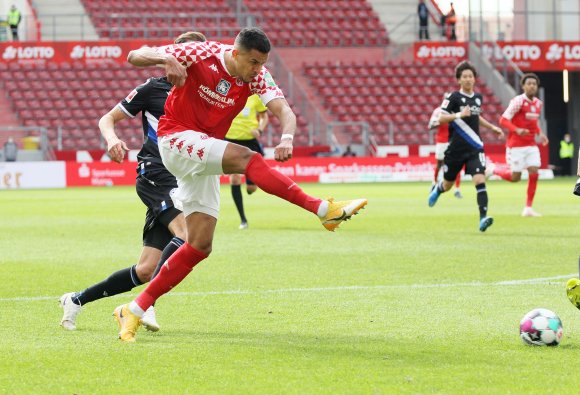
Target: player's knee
column 145, row 270
column 516, row 177
column 236, row 179
column 203, row 246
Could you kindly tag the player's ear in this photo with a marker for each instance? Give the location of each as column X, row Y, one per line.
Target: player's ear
column 235, row 53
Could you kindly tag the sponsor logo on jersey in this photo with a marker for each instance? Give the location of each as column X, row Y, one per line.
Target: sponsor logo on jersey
column 11, row 52
column 223, row 87
column 463, row 99
column 214, row 68
column 269, row 80
column 131, row 95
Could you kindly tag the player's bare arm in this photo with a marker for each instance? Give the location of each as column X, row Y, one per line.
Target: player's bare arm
column 116, row 147
column 447, row 118
column 262, row 124
column 146, row 56
column 486, row 124
column 284, row 113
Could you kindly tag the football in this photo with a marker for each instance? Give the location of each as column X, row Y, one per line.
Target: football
column 541, row 327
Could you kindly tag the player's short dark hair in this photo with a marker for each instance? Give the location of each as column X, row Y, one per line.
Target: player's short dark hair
column 190, row 36
column 253, row 38
column 461, row 67
column 529, row 75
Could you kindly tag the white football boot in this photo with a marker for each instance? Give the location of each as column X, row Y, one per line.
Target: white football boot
column 149, row 320
column 71, row 310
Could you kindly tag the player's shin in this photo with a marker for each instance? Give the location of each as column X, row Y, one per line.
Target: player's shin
column 119, row 282
column 482, row 200
column 275, row 183
column 532, row 185
column 175, row 269
column 169, row 249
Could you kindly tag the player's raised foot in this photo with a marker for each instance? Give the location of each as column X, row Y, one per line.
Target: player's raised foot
column 529, row 212
column 149, row 320
column 458, row 194
column 70, row 312
column 341, row 211
column 433, row 196
column 128, row 323
column 485, row 223
column 573, row 292
column 243, row 225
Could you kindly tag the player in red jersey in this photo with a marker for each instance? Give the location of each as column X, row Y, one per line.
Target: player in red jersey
column 212, row 82
column 521, row 120
column 441, row 144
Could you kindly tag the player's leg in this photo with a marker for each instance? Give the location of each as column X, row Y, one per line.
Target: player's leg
column 457, row 192
column 450, row 170
column 255, row 146
column 436, row 172
column 512, row 171
column 531, row 160
column 238, row 159
column 476, row 167
column 119, row 282
column 200, row 230
column 236, row 186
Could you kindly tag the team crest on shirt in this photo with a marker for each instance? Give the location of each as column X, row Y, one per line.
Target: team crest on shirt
column 223, row 87
column 477, row 101
column 463, row 99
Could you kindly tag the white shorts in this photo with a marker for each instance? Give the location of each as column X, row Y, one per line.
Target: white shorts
column 520, row 158
column 196, row 162
column 440, row 149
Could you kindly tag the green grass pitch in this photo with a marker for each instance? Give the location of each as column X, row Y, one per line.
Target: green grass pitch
column 402, row 299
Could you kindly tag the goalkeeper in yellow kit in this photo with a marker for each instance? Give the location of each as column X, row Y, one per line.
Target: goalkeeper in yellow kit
column 246, row 129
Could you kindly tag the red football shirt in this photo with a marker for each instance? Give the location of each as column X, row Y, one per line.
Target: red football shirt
column 442, row 135
column 210, row 98
column 523, row 113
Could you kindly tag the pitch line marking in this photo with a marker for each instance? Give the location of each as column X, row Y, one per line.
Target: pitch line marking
column 539, row 280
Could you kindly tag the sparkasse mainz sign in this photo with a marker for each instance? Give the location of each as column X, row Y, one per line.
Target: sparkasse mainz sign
column 528, row 55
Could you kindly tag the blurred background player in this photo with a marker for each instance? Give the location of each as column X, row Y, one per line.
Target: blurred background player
column 462, row 111
column 521, row 121
column 164, row 230
column 441, row 144
column 198, row 114
column 246, row 129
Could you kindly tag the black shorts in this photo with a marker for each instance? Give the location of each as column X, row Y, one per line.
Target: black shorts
column 254, row 145
column 153, row 188
column 474, row 162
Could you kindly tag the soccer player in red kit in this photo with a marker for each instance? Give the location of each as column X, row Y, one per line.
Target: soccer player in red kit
column 212, row 82
column 441, row 144
column 521, row 120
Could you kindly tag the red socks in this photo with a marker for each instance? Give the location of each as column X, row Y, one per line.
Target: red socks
column 504, row 172
column 458, row 180
column 275, row 183
column 175, row 269
column 532, row 184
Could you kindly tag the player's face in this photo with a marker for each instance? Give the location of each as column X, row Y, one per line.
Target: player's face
column 530, row 87
column 467, row 80
column 249, row 63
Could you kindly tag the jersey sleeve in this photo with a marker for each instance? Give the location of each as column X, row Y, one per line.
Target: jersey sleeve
column 265, row 87
column 513, row 108
column 190, row 53
column 450, row 105
column 434, row 120
column 136, row 100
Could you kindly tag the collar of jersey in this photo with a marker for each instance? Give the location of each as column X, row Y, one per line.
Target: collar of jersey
column 222, row 58
column 465, row 94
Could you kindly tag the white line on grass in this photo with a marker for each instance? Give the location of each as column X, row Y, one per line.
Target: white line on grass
column 539, row 280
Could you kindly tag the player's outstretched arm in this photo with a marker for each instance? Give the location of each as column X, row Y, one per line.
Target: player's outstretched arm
column 284, row 113
column 116, row 148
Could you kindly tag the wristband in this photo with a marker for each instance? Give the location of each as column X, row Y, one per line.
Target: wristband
column 457, row 115
column 287, row 136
